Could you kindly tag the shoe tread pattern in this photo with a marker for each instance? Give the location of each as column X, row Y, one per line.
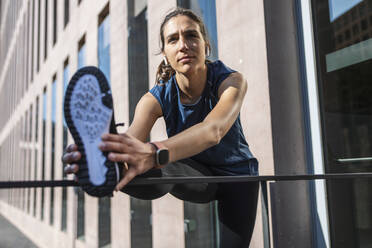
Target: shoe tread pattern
column 108, row 186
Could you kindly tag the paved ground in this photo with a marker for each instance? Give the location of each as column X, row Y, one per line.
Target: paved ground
column 11, row 237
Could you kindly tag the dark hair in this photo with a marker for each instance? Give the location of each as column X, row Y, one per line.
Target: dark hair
column 165, row 72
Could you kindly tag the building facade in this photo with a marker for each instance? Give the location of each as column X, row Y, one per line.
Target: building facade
column 307, row 110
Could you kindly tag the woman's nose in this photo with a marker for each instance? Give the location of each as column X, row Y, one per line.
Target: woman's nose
column 183, row 44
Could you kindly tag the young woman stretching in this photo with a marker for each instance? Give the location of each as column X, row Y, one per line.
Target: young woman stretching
column 200, row 102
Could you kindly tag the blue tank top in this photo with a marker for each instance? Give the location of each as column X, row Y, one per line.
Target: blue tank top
column 232, row 154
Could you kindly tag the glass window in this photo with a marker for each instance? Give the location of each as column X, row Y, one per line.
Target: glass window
column 82, row 53
column 104, row 46
column 46, row 30
column 54, row 117
column 55, row 21
column 104, row 204
column 30, row 124
column 43, row 155
column 32, row 38
column 80, row 193
column 141, row 228
column 36, row 151
column 67, row 12
column 345, row 89
column 38, row 38
column 64, row 140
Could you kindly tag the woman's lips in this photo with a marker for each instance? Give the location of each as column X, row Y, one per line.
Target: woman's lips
column 185, row 59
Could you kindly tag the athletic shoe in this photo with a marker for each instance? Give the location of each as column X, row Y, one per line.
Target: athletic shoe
column 88, row 110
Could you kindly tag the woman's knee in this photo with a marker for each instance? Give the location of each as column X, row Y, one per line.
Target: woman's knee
column 148, row 192
column 195, row 192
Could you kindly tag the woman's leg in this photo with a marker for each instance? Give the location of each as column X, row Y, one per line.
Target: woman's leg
column 237, row 205
column 192, row 192
column 198, row 192
column 148, row 192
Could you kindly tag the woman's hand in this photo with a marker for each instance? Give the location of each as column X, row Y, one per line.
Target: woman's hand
column 125, row 148
column 70, row 157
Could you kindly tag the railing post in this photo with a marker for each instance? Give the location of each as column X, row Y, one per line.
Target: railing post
column 265, row 215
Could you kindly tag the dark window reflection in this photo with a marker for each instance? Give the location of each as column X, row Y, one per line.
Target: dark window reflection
column 64, row 140
column 345, row 89
column 54, row 116
column 80, row 192
column 141, row 228
column 104, row 204
column 43, row 155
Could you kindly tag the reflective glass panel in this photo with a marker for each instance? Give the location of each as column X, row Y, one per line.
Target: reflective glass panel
column 64, row 144
column 344, row 58
column 104, row 206
column 79, row 191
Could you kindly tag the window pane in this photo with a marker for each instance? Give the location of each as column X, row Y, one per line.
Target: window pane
column 104, row 207
column 64, row 140
column 345, row 89
column 43, row 155
column 141, row 228
column 80, row 192
column 54, row 96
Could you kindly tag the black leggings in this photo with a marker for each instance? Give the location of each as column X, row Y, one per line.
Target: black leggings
column 237, row 202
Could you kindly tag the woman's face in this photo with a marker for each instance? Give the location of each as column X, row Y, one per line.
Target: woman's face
column 184, row 45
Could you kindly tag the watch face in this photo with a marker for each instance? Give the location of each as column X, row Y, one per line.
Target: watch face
column 163, row 156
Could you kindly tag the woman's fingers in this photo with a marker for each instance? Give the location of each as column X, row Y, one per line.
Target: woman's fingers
column 71, row 157
column 115, row 137
column 74, row 168
column 110, row 146
column 120, row 157
column 71, row 148
column 128, row 176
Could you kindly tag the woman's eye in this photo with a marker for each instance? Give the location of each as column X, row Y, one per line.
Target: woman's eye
column 171, row 40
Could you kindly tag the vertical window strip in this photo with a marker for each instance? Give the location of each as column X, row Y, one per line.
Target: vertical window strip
column 43, row 154
column 36, row 152
column 55, row 21
column 65, row 135
column 104, row 204
column 32, row 39
column 30, row 156
column 67, row 12
column 46, row 29
column 140, row 224
column 80, row 195
column 54, row 96
column 38, row 37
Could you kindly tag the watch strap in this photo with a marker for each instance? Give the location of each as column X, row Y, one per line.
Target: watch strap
column 158, row 146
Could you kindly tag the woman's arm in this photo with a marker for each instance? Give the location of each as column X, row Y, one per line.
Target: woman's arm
column 140, row 156
column 147, row 111
column 217, row 123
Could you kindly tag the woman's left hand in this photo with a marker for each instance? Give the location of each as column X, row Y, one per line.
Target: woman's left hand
column 139, row 156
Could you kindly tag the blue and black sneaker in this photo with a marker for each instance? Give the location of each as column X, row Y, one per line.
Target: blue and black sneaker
column 88, row 109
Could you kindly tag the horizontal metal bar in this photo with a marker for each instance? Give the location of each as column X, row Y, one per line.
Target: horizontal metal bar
column 181, row 180
column 351, row 160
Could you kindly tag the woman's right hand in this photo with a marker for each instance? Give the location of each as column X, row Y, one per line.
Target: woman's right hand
column 70, row 157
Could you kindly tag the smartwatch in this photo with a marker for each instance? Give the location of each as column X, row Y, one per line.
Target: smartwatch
column 161, row 154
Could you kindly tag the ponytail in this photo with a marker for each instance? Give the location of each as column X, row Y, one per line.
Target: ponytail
column 164, row 73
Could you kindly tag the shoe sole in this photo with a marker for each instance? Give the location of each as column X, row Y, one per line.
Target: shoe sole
column 88, row 110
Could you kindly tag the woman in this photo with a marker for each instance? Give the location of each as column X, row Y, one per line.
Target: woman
column 200, row 102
